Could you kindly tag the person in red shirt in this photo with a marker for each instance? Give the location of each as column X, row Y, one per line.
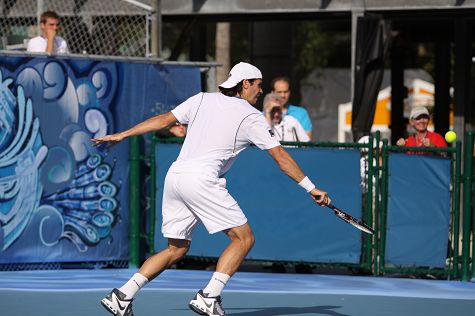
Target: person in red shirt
column 419, row 119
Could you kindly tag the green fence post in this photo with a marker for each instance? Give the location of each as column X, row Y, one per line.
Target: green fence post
column 456, row 209
column 383, row 210
column 467, row 205
column 134, row 206
column 377, row 201
column 368, row 207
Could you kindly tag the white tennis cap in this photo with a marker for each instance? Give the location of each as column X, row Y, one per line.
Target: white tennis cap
column 418, row 110
column 240, row 72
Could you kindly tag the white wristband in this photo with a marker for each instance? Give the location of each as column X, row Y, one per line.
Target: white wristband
column 307, row 184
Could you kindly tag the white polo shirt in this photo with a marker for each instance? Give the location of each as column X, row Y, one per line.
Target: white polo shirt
column 290, row 130
column 219, row 128
column 38, row 45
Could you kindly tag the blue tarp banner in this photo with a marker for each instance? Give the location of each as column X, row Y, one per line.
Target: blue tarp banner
column 287, row 224
column 418, row 210
column 61, row 199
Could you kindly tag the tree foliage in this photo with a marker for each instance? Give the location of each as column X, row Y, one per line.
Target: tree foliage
column 311, row 48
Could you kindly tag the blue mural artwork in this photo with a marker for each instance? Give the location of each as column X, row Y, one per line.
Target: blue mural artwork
column 22, row 152
column 61, row 198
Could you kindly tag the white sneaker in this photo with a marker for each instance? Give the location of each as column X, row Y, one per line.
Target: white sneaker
column 116, row 304
column 204, row 305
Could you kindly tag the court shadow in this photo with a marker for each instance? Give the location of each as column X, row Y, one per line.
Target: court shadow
column 280, row 311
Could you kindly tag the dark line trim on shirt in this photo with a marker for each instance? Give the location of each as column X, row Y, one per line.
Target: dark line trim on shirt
column 201, row 101
column 237, row 130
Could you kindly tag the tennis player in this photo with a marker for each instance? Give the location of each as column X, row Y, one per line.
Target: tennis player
column 220, row 126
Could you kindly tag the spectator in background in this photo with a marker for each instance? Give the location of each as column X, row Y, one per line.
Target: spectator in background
column 281, row 87
column 419, row 120
column 285, row 127
column 48, row 41
column 176, row 130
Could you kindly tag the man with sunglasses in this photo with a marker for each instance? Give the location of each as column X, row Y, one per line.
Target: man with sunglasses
column 419, row 120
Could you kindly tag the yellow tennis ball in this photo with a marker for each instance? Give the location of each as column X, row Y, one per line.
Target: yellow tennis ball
column 450, row 136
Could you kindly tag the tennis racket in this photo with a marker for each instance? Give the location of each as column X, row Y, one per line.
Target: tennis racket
column 351, row 220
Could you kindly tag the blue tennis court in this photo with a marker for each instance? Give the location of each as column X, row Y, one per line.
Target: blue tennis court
column 78, row 292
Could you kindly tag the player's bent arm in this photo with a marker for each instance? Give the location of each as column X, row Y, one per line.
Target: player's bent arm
column 150, row 125
column 288, row 165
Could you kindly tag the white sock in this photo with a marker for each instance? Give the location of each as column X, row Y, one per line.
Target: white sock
column 136, row 282
column 216, row 284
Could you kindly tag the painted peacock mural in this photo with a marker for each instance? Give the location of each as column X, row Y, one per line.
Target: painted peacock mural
column 66, row 184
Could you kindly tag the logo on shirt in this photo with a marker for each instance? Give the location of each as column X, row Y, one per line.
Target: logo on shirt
column 271, row 132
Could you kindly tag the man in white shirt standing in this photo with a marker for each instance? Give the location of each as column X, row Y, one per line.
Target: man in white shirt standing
column 48, row 41
column 281, row 87
column 220, row 126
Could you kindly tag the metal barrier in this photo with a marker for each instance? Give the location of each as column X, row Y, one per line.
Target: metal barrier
column 375, row 205
column 379, row 265
column 148, row 237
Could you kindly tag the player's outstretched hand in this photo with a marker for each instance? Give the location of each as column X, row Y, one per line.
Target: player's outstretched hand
column 321, row 197
column 111, row 139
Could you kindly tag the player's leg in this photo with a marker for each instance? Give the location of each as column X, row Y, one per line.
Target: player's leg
column 119, row 301
column 155, row 264
column 208, row 300
column 209, row 200
column 242, row 240
column 178, row 223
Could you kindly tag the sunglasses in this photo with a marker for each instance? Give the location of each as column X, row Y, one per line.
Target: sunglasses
column 422, row 116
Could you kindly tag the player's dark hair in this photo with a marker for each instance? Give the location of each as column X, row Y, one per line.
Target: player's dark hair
column 280, row 78
column 48, row 15
column 237, row 89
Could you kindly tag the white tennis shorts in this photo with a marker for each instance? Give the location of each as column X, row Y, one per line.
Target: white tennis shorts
column 189, row 198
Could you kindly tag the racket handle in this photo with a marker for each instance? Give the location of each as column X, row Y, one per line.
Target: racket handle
column 318, row 197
